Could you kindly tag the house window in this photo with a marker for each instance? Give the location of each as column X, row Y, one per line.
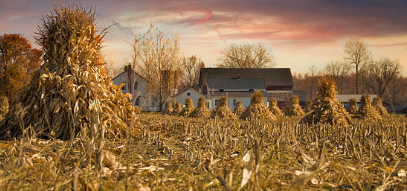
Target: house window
column 216, row 102
column 135, row 86
column 221, row 90
column 137, row 101
column 250, row 90
column 188, row 94
column 234, row 102
column 124, row 86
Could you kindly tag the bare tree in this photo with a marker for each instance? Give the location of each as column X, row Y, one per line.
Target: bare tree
column 380, row 74
column 246, row 56
column 313, row 79
column 191, row 68
column 338, row 70
column 359, row 55
column 158, row 61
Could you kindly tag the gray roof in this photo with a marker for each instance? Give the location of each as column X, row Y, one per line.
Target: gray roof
column 344, row 98
column 245, row 83
column 272, row 76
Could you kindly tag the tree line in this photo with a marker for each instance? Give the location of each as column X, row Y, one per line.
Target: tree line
column 158, row 58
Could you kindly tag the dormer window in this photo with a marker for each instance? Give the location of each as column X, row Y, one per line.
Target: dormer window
column 188, row 94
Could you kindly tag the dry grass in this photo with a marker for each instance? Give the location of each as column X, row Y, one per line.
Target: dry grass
column 294, row 108
column 222, row 110
column 366, row 110
column 178, row 153
column 71, row 92
column 257, row 109
column 239, row 109
column 201, row 110
column 178, row 109
column 168, row 110
column 378, row 105
column 326, row 109
column 4, row 106
column 353, row 107
column 189, row 108
column 273, row 107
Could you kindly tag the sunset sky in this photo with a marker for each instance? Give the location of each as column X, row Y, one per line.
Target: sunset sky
column 300, row 33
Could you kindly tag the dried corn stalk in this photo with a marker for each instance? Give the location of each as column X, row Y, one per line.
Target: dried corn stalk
column 201, row 110
column 366, row 110
column 3, row 107
column 294, row 108
column 308, row 106
column 71, row 91
column 327, row 109
column 239, row 109
column 188, row 109
column 222, row 110
column 273, row 107
column 257, row 109
column 177, row 109
column 378, row 105
column 353, row 107
column 168, row 108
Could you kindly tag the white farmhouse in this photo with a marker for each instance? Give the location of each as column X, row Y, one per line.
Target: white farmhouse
column 139, row 92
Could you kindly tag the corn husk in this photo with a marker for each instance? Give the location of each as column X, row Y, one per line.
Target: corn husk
column 353, row 107
column 222, row 110
column 366, row 110
column 378, row 105
column 294, row 108
column 3, row 106
column 177, row 109
column 273, row 107
column 168, row 110
column 71, row 91
column 188, row 109
column 257, row 109
column 239, row 109
column 308, row 106
column 327, row 109
column 201, row 110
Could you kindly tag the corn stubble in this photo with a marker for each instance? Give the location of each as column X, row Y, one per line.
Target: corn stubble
column 71, row 91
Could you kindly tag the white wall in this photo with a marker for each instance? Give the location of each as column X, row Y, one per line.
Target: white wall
column 144, row 102
column 190, row 93
column 245, row 101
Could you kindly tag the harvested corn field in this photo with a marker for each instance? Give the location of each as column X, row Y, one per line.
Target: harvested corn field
column 178, row 153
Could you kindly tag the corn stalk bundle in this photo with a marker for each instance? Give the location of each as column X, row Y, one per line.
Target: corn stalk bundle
column 378, row 105
column 273, row 107
column 327, row 109
column 222, row 110
column 308, row 106
column 3, row 107
column 168, row 108
column 188, row 109
column 294, row 108
column 71, row 92
column 353, row 107
column 201, row 110
column 257, row 109
column 366, row 110
column 239, row 109
column 177, row 109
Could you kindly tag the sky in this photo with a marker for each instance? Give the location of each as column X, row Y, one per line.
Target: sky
column 300, row 33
